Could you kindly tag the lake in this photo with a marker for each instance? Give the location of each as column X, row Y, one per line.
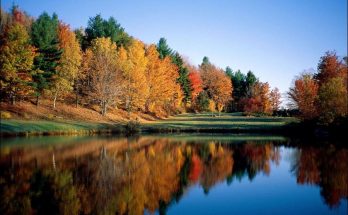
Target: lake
column 177, row 174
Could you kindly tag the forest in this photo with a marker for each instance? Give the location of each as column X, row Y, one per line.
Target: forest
column 94, row 120
column 102, row 67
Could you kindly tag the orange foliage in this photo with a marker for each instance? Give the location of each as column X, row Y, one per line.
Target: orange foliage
column 133, row 63
column 196, row 83
column 161, row 78
column 275, row 99
column 304, row 95
column 260, row 100
column 329, row 67
column 217, row 84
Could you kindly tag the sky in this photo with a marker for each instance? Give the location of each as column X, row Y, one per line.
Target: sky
column 276, row 39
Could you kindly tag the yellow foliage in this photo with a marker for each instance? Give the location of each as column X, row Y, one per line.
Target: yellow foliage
column 133, row 65
column 5, row 115
column 16, row 61
column 69, row 62
column 211, row 105
column 212, row 148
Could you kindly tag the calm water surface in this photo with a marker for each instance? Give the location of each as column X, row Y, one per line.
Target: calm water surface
column 182, row 174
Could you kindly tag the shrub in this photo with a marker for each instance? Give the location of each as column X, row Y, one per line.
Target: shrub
column 132, row 126
column 5, row 115
column 50, row 116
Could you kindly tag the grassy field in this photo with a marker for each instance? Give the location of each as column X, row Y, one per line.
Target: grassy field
column 45, row 127
column 227, row 122
column 224, row 123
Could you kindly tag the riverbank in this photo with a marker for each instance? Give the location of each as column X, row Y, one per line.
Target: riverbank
column 226, row 123
column 183, row 123
column 46, row 128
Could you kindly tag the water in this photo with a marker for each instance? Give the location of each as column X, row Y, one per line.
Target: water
column 181, row 174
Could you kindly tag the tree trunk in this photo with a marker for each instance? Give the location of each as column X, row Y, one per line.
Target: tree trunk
column 103, row 108
column 55, row 99
column 37, row 100
column 13, row 100
column 77, row 100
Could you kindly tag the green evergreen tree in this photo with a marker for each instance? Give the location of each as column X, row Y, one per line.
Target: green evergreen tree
column 163, row 49
column 250, row 81
column 205, row 61
column 203, row 101
column 44, row 36
column 229, row 72
column 183, row 79
column 99, row 27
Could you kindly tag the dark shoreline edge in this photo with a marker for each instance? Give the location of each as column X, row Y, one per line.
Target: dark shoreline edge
column 288, row 130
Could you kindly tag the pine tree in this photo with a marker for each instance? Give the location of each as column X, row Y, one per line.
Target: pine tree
column 163, row 49
column 99, row 27
column 44, row 35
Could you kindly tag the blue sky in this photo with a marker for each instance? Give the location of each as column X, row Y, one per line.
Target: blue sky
column 276, row 39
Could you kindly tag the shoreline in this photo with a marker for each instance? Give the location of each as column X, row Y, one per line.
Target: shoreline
column 24, row 128
column 174, row 125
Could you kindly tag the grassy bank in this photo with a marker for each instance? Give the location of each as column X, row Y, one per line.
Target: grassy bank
column 45, row 127
column 225, row 123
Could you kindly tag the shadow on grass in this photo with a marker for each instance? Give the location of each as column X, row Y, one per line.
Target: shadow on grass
column 231, row 119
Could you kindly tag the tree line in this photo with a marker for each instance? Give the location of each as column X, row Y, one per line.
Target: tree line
column 322, row 96
column 102, row 64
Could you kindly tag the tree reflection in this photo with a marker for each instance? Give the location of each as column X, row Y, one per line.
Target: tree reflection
column 129, row 176
column 326, row 167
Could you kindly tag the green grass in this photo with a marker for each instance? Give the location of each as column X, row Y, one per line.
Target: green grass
column 225, row 122
column 204, row 122
column 221, row 138
column 25, row 127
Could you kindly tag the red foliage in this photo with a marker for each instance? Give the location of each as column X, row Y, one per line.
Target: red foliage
column 196, row 83
column 196, row 168
column 19, row 16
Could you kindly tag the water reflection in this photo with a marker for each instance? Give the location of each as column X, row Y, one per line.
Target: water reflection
column 149, row 174
column 325, row 167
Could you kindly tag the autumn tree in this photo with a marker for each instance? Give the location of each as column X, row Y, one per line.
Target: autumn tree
column 83, row 80
column 259, row 102
column 133, row 64
column 105, row 75
column 304, row 94
column 275, row 99
column 16, row 61
column 329, row 67
column 21, row 17
column 164, row 50
column 44, row 36
column 333, row 100
column 69, row 63
column 161, row 75
column 217, row 84
column 196, row 82
column 16, row 15
column 332, row 81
